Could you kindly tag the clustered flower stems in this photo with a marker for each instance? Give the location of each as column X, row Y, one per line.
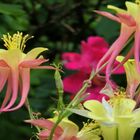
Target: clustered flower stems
column 76, row 100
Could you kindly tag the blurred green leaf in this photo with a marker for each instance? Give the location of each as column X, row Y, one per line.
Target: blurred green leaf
column 11, row 9
column 107, row 29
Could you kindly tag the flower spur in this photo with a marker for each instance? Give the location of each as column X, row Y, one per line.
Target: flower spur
column 15, row 68
column 129, row 20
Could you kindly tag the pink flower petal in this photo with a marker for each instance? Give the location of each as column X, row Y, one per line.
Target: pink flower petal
column 137, row 49
column 42, row 123
column 92, row 51
column 119, row 70
column 8, row 93
column 25, row 77
column 106, row 56
column 118, row 46
column 46, row 124
column 3, row 63
column 95, row 94
column 4, row 73
column 44, row 67
column 127, row 19
column 95, row 43
column 108, row 15
column 71, row 60
column 74, row 82
column 15, row 78
column 118, row 67
column 35, row 64
column 32, row 63
column 44, row 135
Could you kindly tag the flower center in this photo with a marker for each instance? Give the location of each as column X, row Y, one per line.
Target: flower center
column 16, row 41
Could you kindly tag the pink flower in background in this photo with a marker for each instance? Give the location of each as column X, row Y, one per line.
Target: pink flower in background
column 89, row 56
column 91, row 52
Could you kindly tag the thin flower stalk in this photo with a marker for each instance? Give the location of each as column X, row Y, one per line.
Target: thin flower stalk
column 75, row 101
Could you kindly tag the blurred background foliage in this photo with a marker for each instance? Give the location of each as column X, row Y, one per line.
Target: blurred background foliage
column 59, row 25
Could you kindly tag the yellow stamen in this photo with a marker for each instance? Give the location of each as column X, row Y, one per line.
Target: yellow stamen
column 16, row 41
column 118, row 94
column 90, row 128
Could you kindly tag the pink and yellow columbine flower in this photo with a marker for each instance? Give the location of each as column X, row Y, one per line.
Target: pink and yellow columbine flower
column 115, row 117
column 129, row 20
column 132, row 75
column 15, row 68
column 133, row 79
column 66, row 130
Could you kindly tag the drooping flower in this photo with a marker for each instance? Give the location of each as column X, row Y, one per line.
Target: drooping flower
column 66, row 130
column 133, row 78
column 116, row 117
column 129, row 20
column 86, row 61
column 15, row 68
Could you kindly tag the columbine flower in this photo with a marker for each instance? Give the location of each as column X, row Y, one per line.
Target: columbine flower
column 91, row 52
column 15, row 68
column 133, row 78
column 129, row 20
column 66, row 130
column 116, row 117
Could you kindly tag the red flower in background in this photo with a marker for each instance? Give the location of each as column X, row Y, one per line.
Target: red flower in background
column 91, row 52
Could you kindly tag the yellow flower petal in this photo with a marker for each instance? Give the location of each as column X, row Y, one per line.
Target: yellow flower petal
column 70, row 128
column 96, row 108
column 123, row 107
column 133, row 9
column 132, row 74
column 2, row 50
column 12, row 57
column 34, row 53
column 120, row 59
column 136, row 116
column 118, row 10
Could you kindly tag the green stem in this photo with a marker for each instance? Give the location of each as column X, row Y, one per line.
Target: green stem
column 31, row 113
column 75, row 100
column 59, row 87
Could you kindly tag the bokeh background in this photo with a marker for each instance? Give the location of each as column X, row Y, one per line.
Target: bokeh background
column 59, row 25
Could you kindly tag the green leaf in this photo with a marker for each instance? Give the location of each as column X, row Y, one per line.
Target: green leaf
column 107, row 28
column 11, row 9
